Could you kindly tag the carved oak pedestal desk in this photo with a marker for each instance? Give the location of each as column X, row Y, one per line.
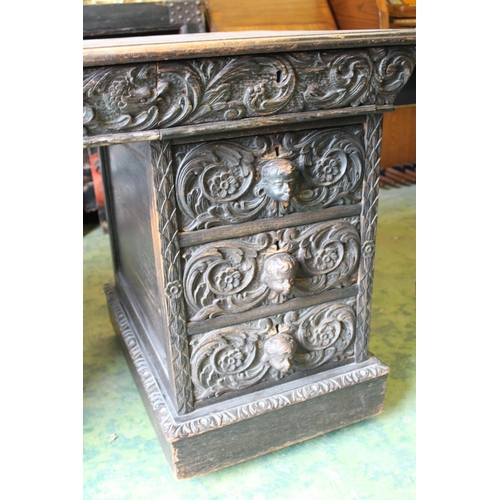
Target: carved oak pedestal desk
column 241, row 180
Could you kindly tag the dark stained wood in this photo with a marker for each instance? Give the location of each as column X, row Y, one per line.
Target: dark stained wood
column 242, row 211
column 254, row 424
column 262, row 312
column 284, row 427
column 142, row 19
column 214, row 234
column 143, row 49
column 295, row 121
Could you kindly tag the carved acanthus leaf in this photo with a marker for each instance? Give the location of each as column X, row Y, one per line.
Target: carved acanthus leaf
column 150, row 96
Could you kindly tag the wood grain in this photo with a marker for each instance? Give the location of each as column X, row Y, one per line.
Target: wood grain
column 206, row 131
column 399, row 143
column 360, row 14
column 170, row 47
column 227, row 15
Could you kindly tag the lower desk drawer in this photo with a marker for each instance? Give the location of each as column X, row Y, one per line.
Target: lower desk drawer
column 268, row 350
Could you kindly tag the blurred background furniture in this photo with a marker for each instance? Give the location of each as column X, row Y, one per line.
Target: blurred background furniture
column 248, row 15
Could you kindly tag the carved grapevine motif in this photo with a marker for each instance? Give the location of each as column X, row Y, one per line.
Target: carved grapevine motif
column 149, row 96
column 227, row 182
column 241, row 356
column 233, row 276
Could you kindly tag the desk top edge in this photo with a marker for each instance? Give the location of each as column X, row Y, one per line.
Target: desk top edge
column 168, row 47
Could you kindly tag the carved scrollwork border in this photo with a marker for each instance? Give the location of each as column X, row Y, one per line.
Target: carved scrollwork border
column 140, row 97
column 174, row 430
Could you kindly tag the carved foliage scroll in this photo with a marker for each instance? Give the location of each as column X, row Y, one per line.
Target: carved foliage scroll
column 236, row 181
column 269, row 349
column 148, row 96
column 233, row 276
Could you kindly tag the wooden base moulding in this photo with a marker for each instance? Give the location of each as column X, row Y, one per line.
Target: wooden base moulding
column 202, row 442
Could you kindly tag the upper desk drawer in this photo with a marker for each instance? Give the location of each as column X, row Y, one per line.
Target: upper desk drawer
column 233, row 181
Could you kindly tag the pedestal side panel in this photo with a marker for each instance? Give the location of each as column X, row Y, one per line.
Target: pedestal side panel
column 137, row 247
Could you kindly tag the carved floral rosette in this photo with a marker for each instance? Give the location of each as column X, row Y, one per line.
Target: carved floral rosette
column 233, row 276
column 237, row 357
column 226, row 182
column 148, row 96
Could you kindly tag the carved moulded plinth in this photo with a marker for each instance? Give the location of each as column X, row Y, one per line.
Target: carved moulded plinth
column 241, row 186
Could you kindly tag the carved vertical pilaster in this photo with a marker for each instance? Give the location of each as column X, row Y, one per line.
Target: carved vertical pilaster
column 172, row 275
column 373, row 139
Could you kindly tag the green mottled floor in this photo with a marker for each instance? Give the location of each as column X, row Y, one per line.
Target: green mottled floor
column 374, row 459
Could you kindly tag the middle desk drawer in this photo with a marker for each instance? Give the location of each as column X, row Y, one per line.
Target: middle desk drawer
column 232, row 280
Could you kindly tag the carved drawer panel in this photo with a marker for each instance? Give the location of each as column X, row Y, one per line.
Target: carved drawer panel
column 132, row 97
column 239, row 180
column 236, row 275
column 271, row 349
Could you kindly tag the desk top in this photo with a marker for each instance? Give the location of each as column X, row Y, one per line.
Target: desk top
column 169, row 47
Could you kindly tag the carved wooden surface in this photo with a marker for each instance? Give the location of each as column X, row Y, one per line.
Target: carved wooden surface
column 240, row 356
column 130, row 98
column 172, row 274
column 228, row 182
column 174, row 429
column 233, row 276
column 368, row 231
column 267, row 228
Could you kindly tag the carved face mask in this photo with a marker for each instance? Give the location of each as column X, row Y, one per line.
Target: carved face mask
column 279, row 351
column 279, row 272
column 278, row 179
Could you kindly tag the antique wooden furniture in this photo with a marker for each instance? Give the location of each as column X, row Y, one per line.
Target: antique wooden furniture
column 110, row 20
column 241, row 178
column 245, row 15
column 374, row 14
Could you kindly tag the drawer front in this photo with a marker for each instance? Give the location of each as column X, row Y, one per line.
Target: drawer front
column 271, row 349
column 237, row 275
column 234, row 181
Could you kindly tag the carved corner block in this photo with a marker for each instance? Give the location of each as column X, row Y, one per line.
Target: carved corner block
column 242, row 193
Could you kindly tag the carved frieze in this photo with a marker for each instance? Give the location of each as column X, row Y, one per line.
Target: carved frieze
column 225, row 182
column 233, row 276
column 148, row 96
column 269, row 349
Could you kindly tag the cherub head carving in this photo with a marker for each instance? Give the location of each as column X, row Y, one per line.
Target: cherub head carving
column 278, row 272
column 278, row 177
column 279, row 350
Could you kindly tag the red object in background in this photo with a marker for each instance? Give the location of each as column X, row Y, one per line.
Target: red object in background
column 95, row 170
